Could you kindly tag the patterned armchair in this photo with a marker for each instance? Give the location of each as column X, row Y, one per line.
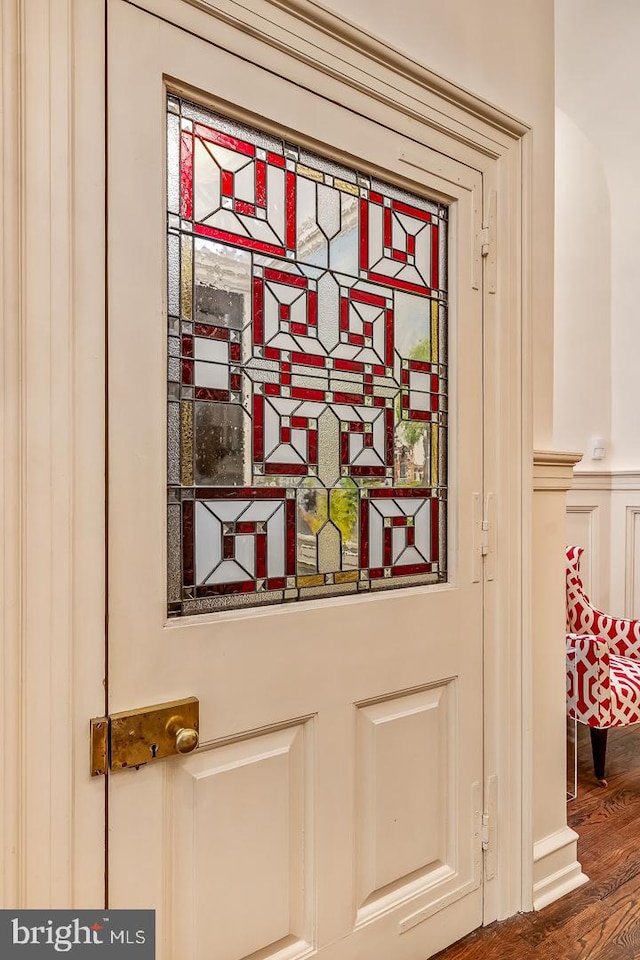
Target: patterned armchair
column 603, row 666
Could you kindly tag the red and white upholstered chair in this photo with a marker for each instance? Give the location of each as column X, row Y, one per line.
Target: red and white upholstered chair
column 603, row 666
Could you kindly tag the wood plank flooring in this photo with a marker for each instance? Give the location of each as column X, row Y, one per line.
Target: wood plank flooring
column 600, row 920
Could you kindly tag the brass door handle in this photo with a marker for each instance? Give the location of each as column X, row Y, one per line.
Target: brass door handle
column 136, row 737
column 186, row 739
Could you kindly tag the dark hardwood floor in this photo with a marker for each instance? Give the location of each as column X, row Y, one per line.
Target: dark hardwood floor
column 600, row 920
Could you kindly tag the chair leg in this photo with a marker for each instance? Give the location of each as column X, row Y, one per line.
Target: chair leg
column 599, row 751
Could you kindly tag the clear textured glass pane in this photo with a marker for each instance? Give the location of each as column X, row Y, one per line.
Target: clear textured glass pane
column 307, row 349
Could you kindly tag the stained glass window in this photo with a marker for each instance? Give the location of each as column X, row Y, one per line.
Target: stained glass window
column 307, row 369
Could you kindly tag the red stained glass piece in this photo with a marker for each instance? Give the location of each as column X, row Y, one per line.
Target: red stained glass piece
column 395, row 493
column 208, row 393
column 291, row 210
column 258, row 318
column 304, row 393
column 435, row 529
column 349, row 365
column 364, row 533
column 187, row 372
column 387, row 226
column 288, row 279
column 361, row 296
column 220, row 589
column 245, row 526
column 276, row 583
column 340, row 397
column 399, row 284
column 357, row 471
column 409, row 569
column 226, row 237
column 364, row 234
column 214, row 333
column 420, row 365
column 226, row 183
column 291, row 537
column 286, row 469
column 240, row 493
column 313, row 446
column 187, row 542
column 411, row 211
column 186, row 175
column 387, row 542
column 435, row 279
column 261, row 555
column 224, row 140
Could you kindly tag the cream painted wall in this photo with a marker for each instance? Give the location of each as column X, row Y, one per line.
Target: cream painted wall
column 501, row 51
column 597, row 81
column 582, row 355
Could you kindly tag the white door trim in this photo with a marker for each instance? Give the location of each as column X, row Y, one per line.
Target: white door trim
column 52, row 568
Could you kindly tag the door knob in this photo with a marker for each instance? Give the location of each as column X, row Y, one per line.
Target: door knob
column 186, row 739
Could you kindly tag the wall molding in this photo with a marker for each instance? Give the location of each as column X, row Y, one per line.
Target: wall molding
column 303, row 29
column 606, row 480
column 632, row 555
column 553, row 470
column 556, row 867
column 337, row 27
column 591, row 512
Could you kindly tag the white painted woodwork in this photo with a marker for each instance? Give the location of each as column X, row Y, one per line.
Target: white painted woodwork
column 556, row 869
column 356, row 831
column 405, row 795
column 581, row 531
column 53, row 465
column 244, row 845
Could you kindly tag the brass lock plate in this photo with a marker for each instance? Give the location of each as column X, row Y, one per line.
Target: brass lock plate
column 135, row 737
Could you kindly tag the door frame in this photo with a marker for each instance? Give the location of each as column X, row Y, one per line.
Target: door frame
column 52, row 571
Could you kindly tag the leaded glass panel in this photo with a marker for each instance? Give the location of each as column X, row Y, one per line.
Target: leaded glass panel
column 307, row 398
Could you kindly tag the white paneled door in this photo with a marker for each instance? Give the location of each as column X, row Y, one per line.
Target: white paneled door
column 312, row 574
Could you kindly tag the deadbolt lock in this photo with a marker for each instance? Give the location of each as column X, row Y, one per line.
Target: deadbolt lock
column 135, row 737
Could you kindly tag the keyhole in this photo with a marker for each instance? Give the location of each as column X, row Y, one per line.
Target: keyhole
column 154, row 750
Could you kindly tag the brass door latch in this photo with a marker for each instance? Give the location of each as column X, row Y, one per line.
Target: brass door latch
column 135, row 737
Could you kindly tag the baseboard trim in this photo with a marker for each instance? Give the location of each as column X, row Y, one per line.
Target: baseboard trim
column 556, row 869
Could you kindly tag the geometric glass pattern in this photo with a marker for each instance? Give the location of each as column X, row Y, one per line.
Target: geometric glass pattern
column 307, row 373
